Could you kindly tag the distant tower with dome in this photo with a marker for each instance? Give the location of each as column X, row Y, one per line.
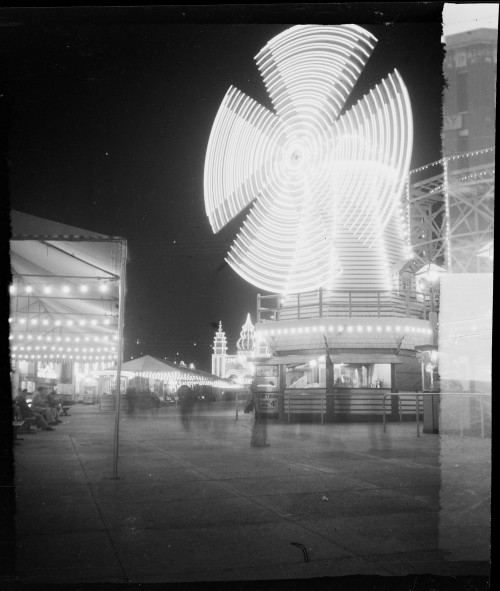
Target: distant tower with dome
column 239, row 366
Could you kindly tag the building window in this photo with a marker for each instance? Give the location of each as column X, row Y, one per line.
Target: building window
column 462, row 144
column 461, row 60
column 462, row 94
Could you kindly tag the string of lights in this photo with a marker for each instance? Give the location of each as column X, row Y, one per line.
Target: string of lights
column 476, row 175
column 47, row 288
column 49, row 338
column 454, row 157
column 341, row 328
column 35, row 318
column 62, row 357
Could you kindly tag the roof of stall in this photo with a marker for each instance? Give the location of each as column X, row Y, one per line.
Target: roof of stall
column 148, row 364
column 151, row 366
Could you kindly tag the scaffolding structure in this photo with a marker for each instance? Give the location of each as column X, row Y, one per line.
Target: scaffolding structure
column 451, row 213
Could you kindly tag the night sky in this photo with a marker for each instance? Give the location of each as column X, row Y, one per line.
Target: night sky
column 108, row 114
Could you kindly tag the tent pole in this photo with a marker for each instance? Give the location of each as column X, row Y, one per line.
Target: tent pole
column 121, row 318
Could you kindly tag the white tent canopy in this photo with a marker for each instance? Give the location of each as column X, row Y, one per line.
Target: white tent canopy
column 150, row 367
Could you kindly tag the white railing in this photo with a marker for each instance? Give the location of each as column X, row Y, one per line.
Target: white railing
column 483, row 399
column 353, row 304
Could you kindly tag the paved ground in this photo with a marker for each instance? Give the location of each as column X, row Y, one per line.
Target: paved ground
column 202, row 504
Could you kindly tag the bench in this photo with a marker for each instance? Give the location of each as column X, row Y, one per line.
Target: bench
column 66, row 403
column 16, row 426
column 21, row 424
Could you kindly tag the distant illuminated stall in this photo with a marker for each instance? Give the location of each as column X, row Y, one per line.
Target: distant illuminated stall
column 161, row 377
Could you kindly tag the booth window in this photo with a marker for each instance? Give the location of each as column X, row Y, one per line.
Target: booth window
column 310, row 375
column 362, row 375
column 306, row 375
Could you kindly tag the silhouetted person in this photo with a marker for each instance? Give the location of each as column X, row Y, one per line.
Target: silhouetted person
column 132, row 399
column 259, row 429
column 155, row 400
column 186, row 402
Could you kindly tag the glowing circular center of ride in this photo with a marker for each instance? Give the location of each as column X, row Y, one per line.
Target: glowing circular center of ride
column 295, row 158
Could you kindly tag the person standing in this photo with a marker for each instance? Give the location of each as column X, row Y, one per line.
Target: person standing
column 259, row 428
column 186, row 401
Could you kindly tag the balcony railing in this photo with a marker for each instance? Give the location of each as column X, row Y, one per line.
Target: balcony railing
column 334, row 304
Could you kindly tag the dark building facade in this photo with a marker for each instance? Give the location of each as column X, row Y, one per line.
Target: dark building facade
column 470, row 69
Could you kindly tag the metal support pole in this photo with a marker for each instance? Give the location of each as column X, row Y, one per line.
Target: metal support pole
column 322, row 408
column 482, row 416
column 461, row 417
column 236, row 398
column 418, row 415
column 383, row 409
column 288, row 407
column 121, row 300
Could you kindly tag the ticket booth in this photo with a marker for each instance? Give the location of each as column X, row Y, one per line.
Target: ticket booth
column 265, row 387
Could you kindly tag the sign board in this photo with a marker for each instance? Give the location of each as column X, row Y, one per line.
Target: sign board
column 266, row 384
column 266, row 378
column 451, row 122
column 268, row 405
column 48, row 371
column 266, row 371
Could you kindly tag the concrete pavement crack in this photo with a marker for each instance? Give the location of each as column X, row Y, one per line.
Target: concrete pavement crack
column 101, row 516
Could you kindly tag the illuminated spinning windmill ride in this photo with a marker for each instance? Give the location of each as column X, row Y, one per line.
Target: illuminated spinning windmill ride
column 323, row 184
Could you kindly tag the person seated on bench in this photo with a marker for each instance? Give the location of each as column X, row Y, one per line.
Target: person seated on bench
column 26, row 412
column 38, row 404
column 54, row 401
column 60, row 404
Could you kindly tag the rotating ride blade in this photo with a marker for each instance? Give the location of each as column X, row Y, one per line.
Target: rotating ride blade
column 372, row 155
column 283, row 244
column 240, row 144
column 313, row 68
